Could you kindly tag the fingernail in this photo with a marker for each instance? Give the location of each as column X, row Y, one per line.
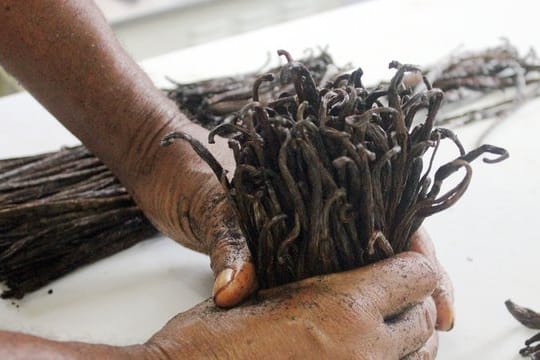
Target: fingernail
column 233, row 286
column 445, row 325
column 222, row 280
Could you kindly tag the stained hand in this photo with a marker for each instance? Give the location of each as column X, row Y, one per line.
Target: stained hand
column 382, row 311
column 184, row 200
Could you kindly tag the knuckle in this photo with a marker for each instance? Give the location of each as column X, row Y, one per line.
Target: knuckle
column 226, row 240
column 417, row 262
column 227, row 246
column 417, row 269
column 201, row 215
column 422, row 268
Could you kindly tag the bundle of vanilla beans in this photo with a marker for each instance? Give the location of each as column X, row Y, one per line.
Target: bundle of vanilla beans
column 59, row 211
column 333, row 177
column 51, row 205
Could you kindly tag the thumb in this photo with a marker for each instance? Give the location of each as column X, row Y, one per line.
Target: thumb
column 230, row 258
column 213, row 222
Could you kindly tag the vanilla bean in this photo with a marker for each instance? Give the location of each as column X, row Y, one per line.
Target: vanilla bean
column 527, row 317
column 530, row 319
column 381, row 184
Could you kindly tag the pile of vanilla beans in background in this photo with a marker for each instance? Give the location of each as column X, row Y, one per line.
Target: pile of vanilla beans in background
column 58, row 211
column 320, row 114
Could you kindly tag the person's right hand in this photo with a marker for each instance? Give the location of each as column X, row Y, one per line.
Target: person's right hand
column 381, row 311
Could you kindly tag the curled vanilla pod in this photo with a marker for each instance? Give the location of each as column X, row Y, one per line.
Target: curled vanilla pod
column 530, row 319
column 332, row 176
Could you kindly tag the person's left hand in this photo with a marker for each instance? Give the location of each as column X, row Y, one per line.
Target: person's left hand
column 182, row 197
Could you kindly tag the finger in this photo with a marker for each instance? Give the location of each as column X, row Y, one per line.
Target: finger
column 211, row 221
column 426, row 352
column 412, row 329
column 444, row 293
column 402, row 281
column 391, row 285
column 230, row 257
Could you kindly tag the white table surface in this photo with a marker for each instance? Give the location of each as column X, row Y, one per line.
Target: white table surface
column 117, row 11
column 488, row 241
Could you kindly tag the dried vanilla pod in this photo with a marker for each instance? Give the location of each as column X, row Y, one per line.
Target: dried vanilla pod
column 471, row 78
column 59, row 211
column 530, row 319
column 333, row 177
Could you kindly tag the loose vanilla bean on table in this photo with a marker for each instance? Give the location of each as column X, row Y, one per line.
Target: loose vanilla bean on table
column 530, row 319
column 220, row 102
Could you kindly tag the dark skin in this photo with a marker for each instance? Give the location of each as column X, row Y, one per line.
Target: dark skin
column 382, row 311
column 65, row 54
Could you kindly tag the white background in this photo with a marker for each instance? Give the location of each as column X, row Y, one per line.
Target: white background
column 489, row 241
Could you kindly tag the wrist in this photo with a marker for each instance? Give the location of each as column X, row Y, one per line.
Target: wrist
column 140, row 150
column 164, row 181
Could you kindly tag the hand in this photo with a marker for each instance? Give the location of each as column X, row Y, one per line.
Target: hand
column 382, row 311
column 183, row 198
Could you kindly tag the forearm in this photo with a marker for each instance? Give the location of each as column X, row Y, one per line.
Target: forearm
column 16, row 346
column 66, row 55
